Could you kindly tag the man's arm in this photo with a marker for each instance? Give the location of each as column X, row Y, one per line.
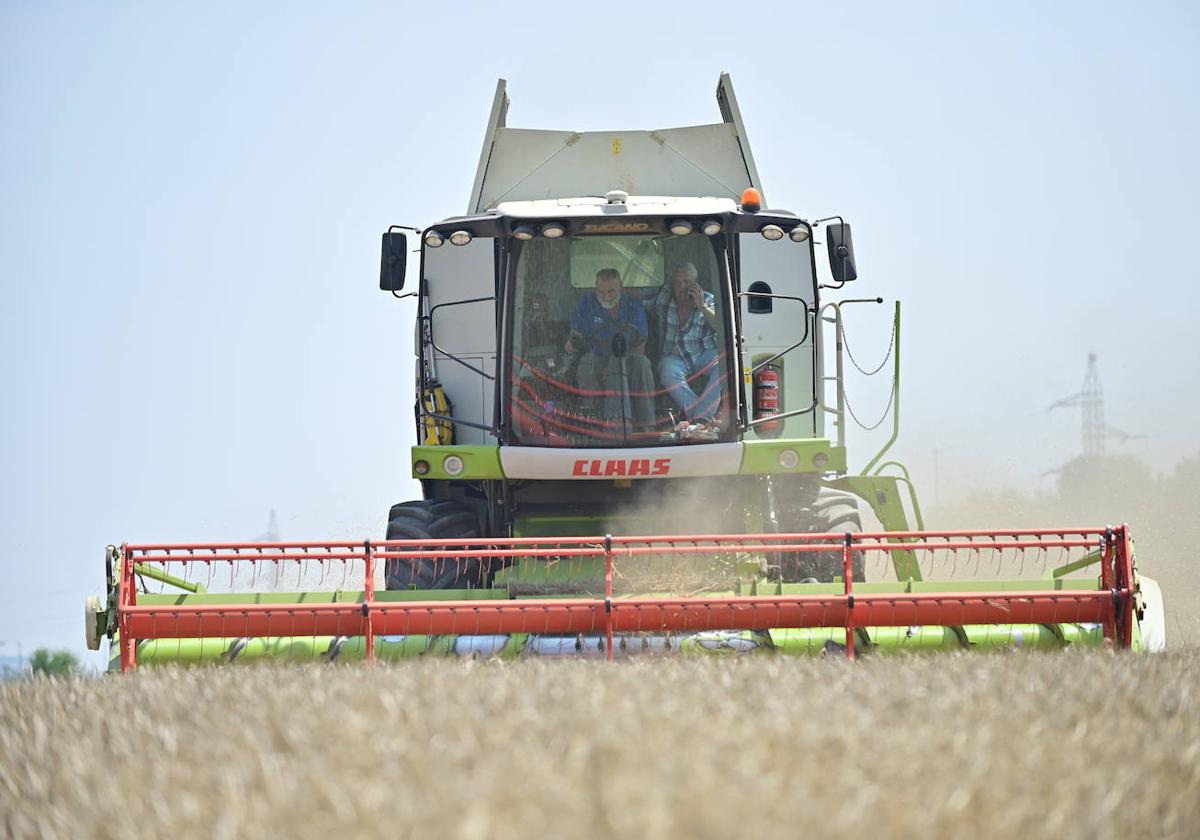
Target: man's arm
column 706, row 303
column 708, row 308
column 638, row 320
column 574, row 341
column 576, row 338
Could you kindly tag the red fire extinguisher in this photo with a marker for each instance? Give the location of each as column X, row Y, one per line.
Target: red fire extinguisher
column 768, row 401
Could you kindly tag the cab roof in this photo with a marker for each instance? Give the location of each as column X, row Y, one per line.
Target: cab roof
column 520, row 164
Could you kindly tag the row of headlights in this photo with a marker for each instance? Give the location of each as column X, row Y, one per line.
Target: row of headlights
column 789, row 459
column 434, row 239
column 774, row 233
column 550, row 230
column 554, row 230
column 452, row 465
column 682, row 227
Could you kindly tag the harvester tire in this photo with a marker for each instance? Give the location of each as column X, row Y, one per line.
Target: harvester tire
column 425, row 510
column 434, row 520
column 834, row 512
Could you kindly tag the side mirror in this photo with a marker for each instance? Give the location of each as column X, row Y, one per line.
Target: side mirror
column 392, row 261
column 841, row 253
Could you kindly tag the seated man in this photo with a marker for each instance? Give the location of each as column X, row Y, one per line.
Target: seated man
column 689, row 350
column 612, row 327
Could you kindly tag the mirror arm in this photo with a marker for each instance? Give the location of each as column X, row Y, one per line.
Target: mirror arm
column 772, row 296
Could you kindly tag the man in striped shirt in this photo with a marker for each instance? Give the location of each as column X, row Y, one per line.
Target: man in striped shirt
column 689, row 369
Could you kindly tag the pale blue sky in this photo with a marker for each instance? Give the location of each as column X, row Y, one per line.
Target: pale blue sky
column 191, row 202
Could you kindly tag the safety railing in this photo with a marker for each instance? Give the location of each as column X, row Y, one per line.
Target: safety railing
column 841, row 407
column 630, row 595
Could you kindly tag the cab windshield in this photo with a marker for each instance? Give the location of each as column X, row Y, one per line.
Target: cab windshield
column 618, row 341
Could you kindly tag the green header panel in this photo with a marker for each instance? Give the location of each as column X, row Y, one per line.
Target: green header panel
column 811, row 455
column 477, row 461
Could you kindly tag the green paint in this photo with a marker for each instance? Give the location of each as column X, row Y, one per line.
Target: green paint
column 561, row 525
column 934, row 639
column 815, row 641
column 761, row 457
column 883, row 495
column 478, row 461
column 153, row 572
column 1082, row 563
column 905, row 479
column 317, row 649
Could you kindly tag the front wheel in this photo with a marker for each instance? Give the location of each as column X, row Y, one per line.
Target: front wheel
column 431, row 519
column 834, row 512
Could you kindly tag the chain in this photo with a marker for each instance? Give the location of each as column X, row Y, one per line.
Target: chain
column 886, row 356
column 886, row 409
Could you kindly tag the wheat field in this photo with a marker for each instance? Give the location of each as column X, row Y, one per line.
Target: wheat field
column 1076, row 744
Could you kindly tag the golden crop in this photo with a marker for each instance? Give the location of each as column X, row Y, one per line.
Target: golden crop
column 1065, row 745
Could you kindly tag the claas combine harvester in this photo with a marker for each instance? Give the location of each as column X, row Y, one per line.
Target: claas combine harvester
column 631, row 422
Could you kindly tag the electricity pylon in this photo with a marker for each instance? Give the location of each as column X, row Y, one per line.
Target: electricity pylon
column 1091, row 399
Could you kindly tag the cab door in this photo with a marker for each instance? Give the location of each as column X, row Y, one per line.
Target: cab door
column 458, row 309
column 777, row 297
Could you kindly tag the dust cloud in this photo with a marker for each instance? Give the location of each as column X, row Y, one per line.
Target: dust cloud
column 1161, row 510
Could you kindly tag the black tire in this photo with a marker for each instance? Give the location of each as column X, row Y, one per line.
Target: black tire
column 834, row 512
column 435, row 520
column 425, row 510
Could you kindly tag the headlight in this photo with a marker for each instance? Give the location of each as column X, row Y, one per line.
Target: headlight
column 680, row 227
column 711, row 228
column 772, row 232
column 421, row 468
column 553, row 230
column 460, row 237
column 453, row 465
column 523, row 232
column 799, row 233
column 820, row 460
column 433, row 239
column 788, row 459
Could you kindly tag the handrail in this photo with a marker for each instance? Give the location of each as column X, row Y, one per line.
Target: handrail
column 906, row 480
column 433, row 342
column 809, row 330
column 895, row 394
column 839, row 365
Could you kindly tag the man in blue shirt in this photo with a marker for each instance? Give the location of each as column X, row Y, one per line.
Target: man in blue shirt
column 612, row 328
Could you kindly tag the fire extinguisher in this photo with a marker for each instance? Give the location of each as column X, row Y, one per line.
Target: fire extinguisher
column 768, row 400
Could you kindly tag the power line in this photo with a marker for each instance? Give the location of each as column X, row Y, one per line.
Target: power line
column 1090, row 398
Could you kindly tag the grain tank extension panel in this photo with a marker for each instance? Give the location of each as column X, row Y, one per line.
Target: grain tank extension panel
column 519, row 164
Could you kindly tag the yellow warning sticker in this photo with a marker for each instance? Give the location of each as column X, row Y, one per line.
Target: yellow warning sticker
column 616, row 144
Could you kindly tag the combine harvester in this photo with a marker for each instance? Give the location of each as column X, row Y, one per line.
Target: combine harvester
column 626, row 369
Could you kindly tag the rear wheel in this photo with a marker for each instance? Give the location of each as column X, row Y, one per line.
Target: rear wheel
column 431, row 519
column 833, row 512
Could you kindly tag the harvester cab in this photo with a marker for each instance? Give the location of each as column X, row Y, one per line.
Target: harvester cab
column 630, row 341
column 630, row 422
